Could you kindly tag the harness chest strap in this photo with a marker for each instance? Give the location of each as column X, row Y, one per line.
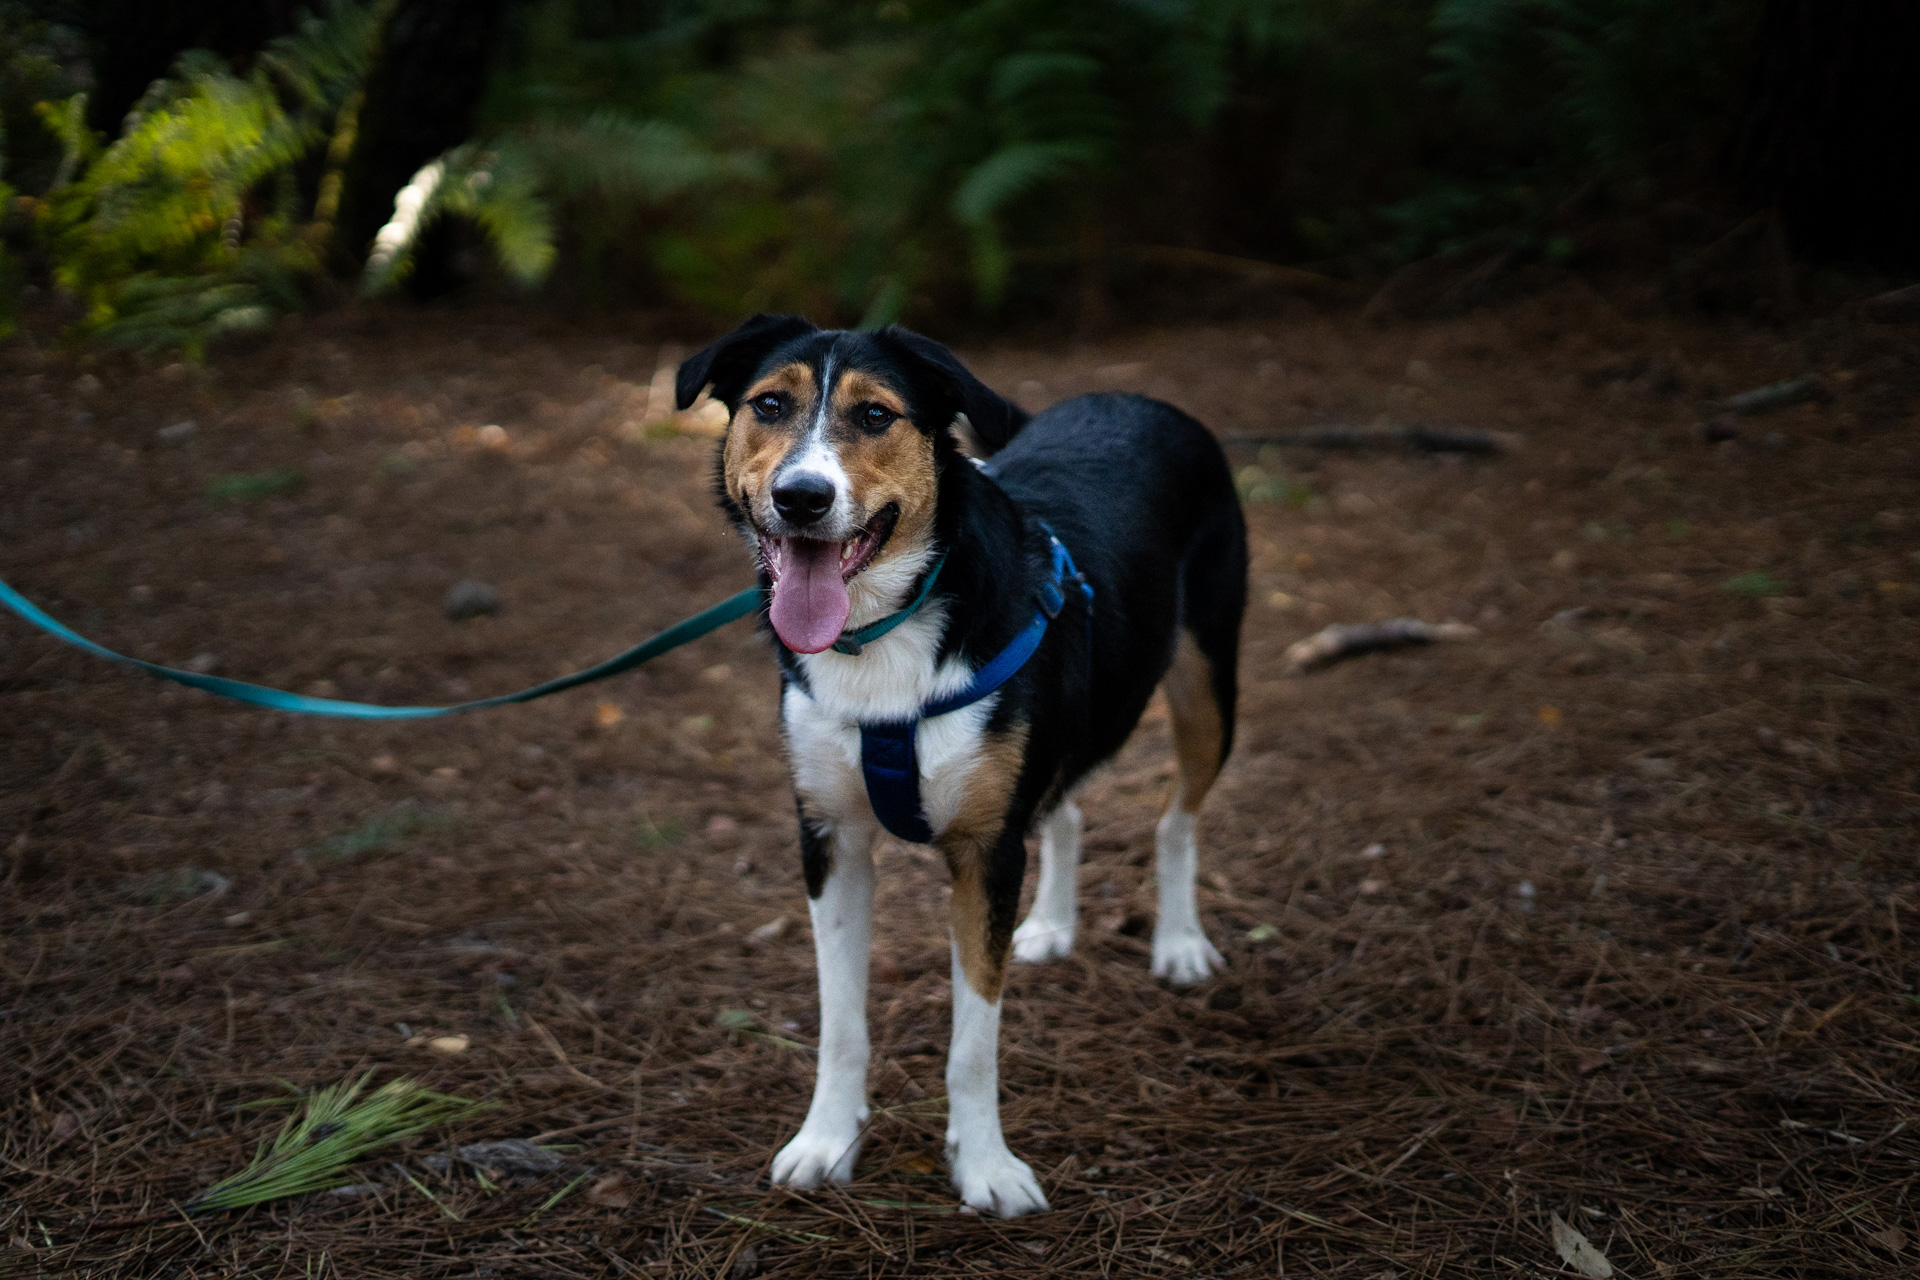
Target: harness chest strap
column 888, row 761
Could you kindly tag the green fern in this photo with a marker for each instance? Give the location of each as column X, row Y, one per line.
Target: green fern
column 845, row 165
column 512, row 189
column 187, row 226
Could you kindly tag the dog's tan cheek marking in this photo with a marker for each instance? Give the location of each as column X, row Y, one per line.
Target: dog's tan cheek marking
column 896, row 465
column 967, row 843
column 1196, row 722
column 754, row 449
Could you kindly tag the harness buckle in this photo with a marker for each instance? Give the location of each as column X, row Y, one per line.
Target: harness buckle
column 1052, row 600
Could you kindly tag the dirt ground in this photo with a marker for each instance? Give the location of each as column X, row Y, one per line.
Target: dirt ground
column 1602, row 915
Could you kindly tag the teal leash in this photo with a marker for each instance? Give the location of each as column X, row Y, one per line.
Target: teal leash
column 732, row 609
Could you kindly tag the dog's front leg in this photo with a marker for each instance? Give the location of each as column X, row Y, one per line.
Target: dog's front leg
column 986, row 893
column 839, row 870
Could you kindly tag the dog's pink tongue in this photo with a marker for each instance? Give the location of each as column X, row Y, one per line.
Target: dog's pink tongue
column 810, row 604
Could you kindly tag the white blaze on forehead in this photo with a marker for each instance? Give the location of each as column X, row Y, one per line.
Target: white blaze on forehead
column 816, row 455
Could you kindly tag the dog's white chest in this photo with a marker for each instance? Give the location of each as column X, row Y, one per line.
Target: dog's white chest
column 891, row 681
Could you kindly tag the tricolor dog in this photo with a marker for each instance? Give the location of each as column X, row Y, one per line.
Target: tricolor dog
column 960, row 642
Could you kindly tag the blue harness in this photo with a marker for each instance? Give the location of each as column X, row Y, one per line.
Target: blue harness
column 888, row 760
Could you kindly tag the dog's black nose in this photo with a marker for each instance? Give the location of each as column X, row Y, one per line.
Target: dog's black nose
column 803, row 498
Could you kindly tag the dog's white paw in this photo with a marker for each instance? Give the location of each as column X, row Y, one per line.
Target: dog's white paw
column 816, row 1156
column 1039, row 940
column 1185, row 958
column 996, row 1181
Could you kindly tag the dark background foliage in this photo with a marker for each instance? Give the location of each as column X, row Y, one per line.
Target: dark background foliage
column 945, row 159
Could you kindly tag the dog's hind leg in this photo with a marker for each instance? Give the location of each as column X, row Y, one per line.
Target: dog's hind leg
column 1047, row 933
column 986, row 894
column 1202, row 688
column 839, row 868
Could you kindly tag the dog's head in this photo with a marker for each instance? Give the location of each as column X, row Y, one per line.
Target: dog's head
column 834, row 453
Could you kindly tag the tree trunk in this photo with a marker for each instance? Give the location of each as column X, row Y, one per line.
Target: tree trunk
column 434, row 60
column 132, row 43
column 1830, row 136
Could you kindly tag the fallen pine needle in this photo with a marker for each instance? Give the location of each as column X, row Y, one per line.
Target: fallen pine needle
column 552, row 1200
column 438, row 1203
column 809, row 1236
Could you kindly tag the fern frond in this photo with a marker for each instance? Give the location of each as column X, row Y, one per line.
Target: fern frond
column 67, row 121
column 497, row 189
column 1013, row 171
column 325, row 59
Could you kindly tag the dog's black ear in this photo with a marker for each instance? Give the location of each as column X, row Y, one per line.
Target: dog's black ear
column 728, row 362
column 994, row 419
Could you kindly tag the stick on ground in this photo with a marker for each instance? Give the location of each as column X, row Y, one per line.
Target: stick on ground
column 1341, row 641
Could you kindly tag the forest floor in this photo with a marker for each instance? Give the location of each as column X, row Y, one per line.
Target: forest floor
column 1601, row 915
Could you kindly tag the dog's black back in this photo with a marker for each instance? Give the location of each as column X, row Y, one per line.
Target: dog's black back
column 1143, row 497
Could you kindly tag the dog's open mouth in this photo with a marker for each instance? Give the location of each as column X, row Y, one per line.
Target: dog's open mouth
column 810, row 577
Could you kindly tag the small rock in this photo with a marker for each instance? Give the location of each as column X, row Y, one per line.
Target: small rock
column 767, row 932
column 1374, row 851
column 449, row 1046
column 614, row 1191
column 86, row 384
column 747, row 1263
column 203, row 663
column 493, row 437
column 237, row 919
column 65, row 1125
column 384, row 764
column 470, row 599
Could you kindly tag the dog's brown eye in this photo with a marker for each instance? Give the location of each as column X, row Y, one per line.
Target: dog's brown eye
column 874, row 417
column 769, row 406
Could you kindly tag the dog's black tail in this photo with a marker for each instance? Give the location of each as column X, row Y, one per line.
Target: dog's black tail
column 1203, row 681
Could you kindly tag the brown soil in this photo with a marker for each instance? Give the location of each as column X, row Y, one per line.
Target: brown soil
column 1603, row 914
